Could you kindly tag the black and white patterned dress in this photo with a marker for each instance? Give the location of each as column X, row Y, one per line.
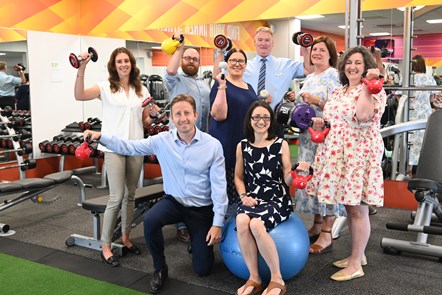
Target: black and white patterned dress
column 263, row 178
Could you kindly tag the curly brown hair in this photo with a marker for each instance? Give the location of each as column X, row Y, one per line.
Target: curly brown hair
column 369, row 62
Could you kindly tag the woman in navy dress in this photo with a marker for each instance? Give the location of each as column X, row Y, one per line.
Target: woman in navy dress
column 230, row 98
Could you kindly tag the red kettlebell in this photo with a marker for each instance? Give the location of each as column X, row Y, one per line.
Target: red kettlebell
column 300, row 181
column 83, row 152
column 318, row 136
column 374, row 86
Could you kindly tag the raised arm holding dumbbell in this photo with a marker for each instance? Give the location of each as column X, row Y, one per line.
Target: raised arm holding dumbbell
column 20, row 68
column 9, row 82
column 121, row 99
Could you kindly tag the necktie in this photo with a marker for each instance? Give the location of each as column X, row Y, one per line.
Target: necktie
column 262, row 76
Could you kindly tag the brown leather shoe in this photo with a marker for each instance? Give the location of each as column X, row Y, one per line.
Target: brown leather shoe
column 183, row 235
column 317, row 249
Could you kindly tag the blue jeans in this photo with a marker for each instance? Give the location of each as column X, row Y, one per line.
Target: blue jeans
column 198, row 220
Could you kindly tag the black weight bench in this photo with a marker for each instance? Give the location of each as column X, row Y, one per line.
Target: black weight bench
column 30, row 188
column 145, row 198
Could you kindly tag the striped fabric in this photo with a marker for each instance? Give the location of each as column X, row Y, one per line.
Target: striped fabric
column 262, row 76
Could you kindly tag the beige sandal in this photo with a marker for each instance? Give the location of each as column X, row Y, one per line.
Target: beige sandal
column 256, row 287
column 274, row 285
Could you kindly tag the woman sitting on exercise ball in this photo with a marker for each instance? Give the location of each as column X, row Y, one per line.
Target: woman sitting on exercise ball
column 262, row 177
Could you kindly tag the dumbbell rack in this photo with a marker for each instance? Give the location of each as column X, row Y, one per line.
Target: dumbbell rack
column 15, row 144
column 71, row 130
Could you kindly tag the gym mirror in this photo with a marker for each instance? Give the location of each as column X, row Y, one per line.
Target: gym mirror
column 13, row 51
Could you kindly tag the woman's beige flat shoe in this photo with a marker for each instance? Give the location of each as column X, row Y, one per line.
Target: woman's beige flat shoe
column 340, row 276
column 344, row 262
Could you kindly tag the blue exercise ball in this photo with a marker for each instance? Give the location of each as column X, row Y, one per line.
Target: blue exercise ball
column 291, row 240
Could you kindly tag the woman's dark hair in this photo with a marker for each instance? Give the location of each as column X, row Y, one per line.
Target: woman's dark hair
column 134, row 76
column 186, row 98
column 248, row 130
column 233, row 50
column 418, row 64
column 330, row 44
column 369, row 62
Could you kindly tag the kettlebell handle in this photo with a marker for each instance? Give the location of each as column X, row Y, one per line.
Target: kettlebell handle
column 310, row 169
column 318, row 136
column 299, row 181
column 180, row 39
column 326, row 124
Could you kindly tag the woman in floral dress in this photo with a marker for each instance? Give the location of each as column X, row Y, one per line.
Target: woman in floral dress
column 318, row 87
column 347, row 167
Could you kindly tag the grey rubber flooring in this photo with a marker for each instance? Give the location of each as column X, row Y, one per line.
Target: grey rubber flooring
column 41, row 231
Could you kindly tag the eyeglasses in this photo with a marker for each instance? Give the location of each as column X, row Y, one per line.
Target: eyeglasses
column 189, row 59
column 233, row 61
column 257, row 118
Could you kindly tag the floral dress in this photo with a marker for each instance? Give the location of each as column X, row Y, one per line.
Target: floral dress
column 347, row 167
column 264, row 182
column 420, row 109
column 322, row 86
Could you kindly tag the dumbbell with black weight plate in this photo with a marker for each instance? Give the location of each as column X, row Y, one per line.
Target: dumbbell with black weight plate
column 302, row 39
column 14, row 137
column 75, row 60
column 93, row 147
column 59, row 137
column 27, row 164
column 42, row 146
column 222, row 42
column 64, row 148
column 3, row 143
column 384, row 51
column 160, row 116
column 27, row 149
column 6, row 111
column 72, row 147
column 52, row 147
column 70, row 140
column 19, row 67
column 158, row 128
column 88, row 125
column 24, row 134
column 151, row 129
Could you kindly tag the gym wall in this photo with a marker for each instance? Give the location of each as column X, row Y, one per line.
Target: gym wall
column 53, row 104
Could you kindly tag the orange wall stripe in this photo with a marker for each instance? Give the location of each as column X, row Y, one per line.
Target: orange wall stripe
column 104, row 17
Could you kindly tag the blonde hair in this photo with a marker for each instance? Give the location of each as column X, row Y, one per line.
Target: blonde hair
column 264, row 29
column 2, row 65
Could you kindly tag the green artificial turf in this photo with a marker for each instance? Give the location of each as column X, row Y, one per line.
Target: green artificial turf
column 20, row 276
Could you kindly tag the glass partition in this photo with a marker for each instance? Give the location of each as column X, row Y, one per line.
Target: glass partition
column 13, row 51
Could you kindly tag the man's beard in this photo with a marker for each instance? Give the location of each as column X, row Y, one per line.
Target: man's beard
column 190, row 70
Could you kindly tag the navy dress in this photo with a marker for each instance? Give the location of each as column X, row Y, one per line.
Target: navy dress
column 230, row 131
column 263, row 177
